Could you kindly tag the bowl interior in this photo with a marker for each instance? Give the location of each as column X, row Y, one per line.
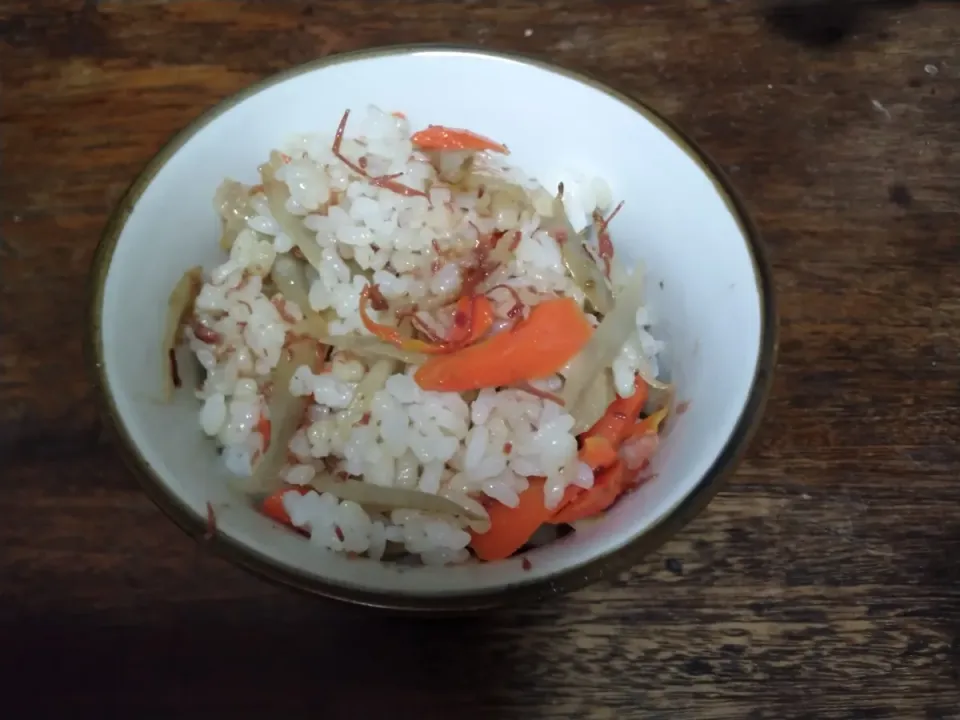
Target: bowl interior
column 702, row 282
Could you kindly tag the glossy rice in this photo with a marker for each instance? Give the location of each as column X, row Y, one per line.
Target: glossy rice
column 474, row 448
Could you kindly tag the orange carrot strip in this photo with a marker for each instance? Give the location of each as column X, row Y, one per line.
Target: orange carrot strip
column 399, row 115
column 462, row 321
column 438, row 137
column 482, row 318
column 598, row 452
column 598, row 444
column 263, row 427
column 473, row 318
column 510, row 528
column 391, row 334
column 621, row 415
column 273, row 507
column 538, row 346
column 607, row 487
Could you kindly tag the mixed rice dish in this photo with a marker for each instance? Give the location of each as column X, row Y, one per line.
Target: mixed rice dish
column 416, row 353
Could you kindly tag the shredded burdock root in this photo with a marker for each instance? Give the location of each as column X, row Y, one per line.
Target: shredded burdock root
column 288, row 275
column 179, row 309
column 607, row 341
column 285, row 414
column 595, row 402
column 390, row 498
column 277, row 194
column 576, row 258
column 359, row 407
column 232, row 202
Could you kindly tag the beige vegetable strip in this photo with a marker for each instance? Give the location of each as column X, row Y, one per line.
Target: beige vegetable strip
column 179, row 309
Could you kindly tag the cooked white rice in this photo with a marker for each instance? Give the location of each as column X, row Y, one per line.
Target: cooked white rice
column 474, row 448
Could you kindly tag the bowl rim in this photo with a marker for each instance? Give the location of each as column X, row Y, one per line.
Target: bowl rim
column 572, row 578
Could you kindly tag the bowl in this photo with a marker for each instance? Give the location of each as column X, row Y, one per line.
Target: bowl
column 709, row 290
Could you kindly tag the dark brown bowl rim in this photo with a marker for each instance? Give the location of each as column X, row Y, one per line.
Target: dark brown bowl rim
column 597, row 568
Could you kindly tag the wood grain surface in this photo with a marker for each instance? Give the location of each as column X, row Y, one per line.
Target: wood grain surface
column 823, row 583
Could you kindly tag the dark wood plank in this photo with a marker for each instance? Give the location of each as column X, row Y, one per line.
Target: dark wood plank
column 824, row 583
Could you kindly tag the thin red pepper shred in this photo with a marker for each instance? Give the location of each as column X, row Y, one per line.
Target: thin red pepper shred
column 377, row 300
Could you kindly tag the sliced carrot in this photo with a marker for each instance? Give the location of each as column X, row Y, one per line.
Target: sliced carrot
column 482, row 318
column 473, row 318
column 599, row 449
column 462, row 320
column 438, row 137
column 599, row 446
column 263, row 427
column 598, row 452
column 273, row 507
column 477, row 319
column 537, row 347
column 607, row 487
column 620, row 417
column 391, row 334
column 511, row 528
column 399, row 115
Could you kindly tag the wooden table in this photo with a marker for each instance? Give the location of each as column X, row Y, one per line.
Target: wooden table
column 823, row 583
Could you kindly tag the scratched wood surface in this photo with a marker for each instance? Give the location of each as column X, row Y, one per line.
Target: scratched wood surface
column 823, row 583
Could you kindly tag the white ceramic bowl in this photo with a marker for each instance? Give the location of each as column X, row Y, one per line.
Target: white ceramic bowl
column 709, row 291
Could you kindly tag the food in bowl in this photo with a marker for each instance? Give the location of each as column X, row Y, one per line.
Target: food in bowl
column 415, row 352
